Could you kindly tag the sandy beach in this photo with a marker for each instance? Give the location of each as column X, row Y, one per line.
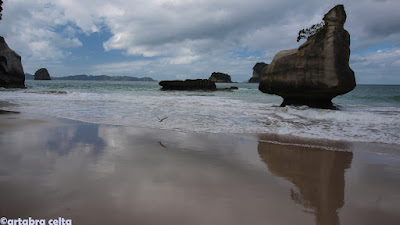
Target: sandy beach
column 173, row 112
column 101, row 174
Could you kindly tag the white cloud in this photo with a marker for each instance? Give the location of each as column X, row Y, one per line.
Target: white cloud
column 176, row 33
column 380, row 58
column 121, row 67
column 381, row 66
column 183, row 59
column 154, row 28
column 30, row 29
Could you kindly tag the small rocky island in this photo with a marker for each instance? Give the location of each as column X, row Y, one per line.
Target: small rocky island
column 11, row 71
column 257, row 71
column 218, row 77
column 192, row 85
column 42, row 74
column 189, row 85
column 317, row 71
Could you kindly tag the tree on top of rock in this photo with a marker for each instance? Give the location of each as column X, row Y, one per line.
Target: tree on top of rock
column 1, row 9
column 308, row 32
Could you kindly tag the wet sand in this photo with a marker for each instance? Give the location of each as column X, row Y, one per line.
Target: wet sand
column 99, row 174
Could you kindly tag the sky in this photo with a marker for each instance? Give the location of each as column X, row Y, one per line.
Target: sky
column 183, row 39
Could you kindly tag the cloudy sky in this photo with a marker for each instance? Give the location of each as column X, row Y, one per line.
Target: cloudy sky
column 178, row 39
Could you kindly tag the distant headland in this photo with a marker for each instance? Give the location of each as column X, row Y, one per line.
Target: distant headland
column 95, row 78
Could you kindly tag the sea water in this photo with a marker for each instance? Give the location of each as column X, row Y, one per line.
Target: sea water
column 370, row 113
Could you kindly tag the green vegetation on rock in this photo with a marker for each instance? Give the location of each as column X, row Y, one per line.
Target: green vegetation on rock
column 308, row 32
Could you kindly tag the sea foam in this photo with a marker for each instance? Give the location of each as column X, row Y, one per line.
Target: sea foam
column 212, row 113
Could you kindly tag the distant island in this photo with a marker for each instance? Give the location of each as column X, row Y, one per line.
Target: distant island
column 42, row 74
column 29, row 76
column 219, row 77
column 95, row 78
column 257, row 71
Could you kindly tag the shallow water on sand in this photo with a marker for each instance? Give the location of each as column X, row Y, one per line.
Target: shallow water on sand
column 100, row 174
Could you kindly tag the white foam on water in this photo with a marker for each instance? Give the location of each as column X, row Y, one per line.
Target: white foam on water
column 213, row 114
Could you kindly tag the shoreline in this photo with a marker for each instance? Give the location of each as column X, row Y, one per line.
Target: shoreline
column 96, row 174
column 326, row 144
column 245, row 111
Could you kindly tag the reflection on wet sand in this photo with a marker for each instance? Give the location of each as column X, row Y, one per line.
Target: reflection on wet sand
column 318, row 176
column 64, row 139
column 98, row 174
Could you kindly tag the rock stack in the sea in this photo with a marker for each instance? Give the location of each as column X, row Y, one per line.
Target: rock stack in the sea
column 11, row 71
column 218, row 77
column 257, row 71
column 317, row 71
column 42, row 74
column 189, row 85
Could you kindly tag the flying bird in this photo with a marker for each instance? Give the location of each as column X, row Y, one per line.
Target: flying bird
column 160, row 120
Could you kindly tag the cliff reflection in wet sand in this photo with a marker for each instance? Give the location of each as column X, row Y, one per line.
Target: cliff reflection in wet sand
column 318, row 176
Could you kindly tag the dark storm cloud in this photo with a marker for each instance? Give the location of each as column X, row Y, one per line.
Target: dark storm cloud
column 374, row 23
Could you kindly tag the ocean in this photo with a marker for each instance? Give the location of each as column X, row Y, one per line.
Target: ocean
column 370, row 113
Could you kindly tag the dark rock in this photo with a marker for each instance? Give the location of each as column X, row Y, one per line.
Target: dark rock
column 317, row 71
column 218, row 77
column 42, row 74
column 191, row 85
column 145, row 79
column 257, row 71
column 11, row 71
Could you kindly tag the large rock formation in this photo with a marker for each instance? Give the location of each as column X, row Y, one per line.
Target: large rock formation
column 42, row 74
column 218, row 77
column 189, row 85
column 317, row 71
column 257, row 71
column 11, row 71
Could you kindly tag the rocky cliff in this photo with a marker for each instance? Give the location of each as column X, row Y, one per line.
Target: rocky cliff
column 42, row 74
column 11, row 71
column 257, row 71
column 317, row 71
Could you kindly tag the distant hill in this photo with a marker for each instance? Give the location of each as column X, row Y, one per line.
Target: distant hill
column 29, row 76
column 92, row 77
